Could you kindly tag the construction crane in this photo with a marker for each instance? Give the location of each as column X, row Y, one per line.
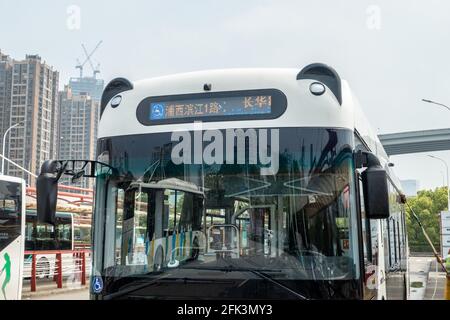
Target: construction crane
column 95, row 70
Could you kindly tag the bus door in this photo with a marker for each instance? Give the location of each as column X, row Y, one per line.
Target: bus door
column 176, row 224
column 256, row 226
column 12, row 216
column 222, row 240
column 221, row 232
column 134, row 227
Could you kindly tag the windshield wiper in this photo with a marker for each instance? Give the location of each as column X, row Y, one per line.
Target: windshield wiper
column 135, row 286
column 230, row 268
column 295, row 293
column 257, row 272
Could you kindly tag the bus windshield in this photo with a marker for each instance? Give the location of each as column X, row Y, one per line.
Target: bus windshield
column 230, row 213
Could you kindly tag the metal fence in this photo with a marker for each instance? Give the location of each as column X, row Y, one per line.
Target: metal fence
column 73, row 265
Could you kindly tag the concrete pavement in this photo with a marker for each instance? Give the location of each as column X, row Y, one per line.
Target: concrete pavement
column 419, row 268
column 435, row 289
column 76, row 294
column 426, row 279
column 46, row 289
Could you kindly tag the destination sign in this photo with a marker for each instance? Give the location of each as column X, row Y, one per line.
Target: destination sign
column 207, row 107
column 243, row 105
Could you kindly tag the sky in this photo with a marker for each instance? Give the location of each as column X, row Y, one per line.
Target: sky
column 392, row 53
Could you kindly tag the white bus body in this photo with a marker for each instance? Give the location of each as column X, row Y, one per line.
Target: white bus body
column 46, row 263
column 12, row 230
column 275, row 153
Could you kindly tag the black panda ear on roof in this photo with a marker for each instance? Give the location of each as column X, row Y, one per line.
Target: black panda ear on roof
column 325, row 74
column 114, row 87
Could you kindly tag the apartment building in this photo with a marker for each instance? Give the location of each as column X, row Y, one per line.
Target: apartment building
column 78, row 124
column 28, row 96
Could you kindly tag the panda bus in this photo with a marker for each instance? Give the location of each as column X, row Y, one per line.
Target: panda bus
column 238, row 184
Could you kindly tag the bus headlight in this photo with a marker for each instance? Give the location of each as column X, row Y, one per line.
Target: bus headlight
column 116, row 101
column 317, row 88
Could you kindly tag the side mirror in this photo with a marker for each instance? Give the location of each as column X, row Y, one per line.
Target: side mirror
column 47, row 192
column 376, row 193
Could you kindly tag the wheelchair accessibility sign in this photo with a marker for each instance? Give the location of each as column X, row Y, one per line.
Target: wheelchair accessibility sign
column 97, row 284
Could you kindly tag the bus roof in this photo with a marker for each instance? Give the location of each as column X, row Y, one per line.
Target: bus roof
column 11, row 179
column 170, row 183
column 303, row 108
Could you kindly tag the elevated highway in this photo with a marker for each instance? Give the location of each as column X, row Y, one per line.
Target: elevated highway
column 416, row 141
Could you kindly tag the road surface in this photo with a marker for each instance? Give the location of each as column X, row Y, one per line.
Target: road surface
column 426, row 279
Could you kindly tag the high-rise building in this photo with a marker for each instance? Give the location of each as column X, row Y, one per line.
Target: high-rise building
column 87, row 85
column 6, row 66
column 79, row 115
column 28, row 95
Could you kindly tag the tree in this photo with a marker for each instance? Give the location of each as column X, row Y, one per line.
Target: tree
column 427, row 205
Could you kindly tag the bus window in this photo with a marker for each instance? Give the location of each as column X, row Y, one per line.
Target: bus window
column 403, row 240
column 214, row 216
column 118, row 225
column 64, row 233
column 40, row 236
column 393, row 243
column 140, row 226
column 186, row 207
column 386, row 244
column 30, row 233
column 215, row 235
column 45, row 237
column 10, row 212
column 398, row 243
column 132, row 228
column 369, row 230
column 11, row 237
column 82, row 235
column 395, row 278
column 259, row 231
column 243, row 222
column 174, row 202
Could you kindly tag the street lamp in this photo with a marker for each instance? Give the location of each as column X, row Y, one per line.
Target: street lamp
column 4, row 143
column 448, row 190
column 437, row 103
